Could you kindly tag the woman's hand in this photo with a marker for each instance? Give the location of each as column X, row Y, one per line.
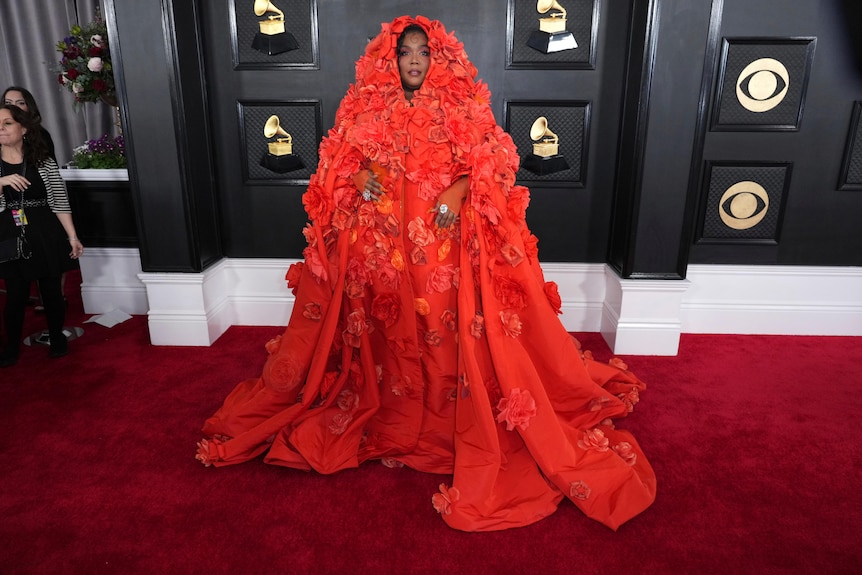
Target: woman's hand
column 446, row 214
column 449, row 202
column 15, row 181
column 77, row 248
column 369, row 186
column 71, row 235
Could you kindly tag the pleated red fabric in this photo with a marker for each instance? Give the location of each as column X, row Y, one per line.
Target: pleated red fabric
column 439, row 349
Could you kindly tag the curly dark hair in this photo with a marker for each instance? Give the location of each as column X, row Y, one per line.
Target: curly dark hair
column 35, row 150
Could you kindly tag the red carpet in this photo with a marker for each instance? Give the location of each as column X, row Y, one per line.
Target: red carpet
column 752, row 439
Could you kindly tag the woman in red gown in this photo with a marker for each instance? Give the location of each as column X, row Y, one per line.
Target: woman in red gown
column 423, row 332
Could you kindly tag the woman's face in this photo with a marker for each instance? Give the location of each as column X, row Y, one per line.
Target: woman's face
column 11, row 132
column 16, row 98
column 414, row 57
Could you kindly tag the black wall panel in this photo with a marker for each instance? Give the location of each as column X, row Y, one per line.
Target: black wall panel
column 166, row 127
column 820, row 222
column 264, row 220
column 649, row 83
column 667, row 46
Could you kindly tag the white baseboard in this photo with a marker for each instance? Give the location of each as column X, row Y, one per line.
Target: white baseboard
column 641, row 317
column 779, row 300
column 636, row 317
column 582, row 291
column 109, row 281
column 195, row 309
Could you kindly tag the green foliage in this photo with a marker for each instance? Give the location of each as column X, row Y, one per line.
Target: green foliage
column 102, row 154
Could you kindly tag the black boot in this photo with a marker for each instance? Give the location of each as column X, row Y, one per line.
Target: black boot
column 59, row 345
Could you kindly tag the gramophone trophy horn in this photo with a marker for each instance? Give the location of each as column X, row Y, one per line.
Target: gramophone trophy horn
column 282, row 146
column 556, row 21
column 273, row 24
column 272, row 39
column 549, row 144
column 552, row 35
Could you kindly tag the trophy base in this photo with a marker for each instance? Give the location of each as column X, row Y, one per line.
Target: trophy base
column 281, row 164
column 545, row 165
column 548, row 42
column 275, row 44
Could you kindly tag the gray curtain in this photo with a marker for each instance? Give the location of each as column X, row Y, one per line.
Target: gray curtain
column 29, row 32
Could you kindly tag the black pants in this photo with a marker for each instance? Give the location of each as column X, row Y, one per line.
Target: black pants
column 17, row 294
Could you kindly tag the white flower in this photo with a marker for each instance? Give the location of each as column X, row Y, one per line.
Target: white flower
column 97, row 41
column 77, row 88
column 95, row 65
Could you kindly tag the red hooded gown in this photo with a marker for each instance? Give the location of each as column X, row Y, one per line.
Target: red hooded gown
column 439, row 349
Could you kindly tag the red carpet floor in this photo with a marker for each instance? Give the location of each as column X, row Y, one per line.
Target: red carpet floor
column 753, row 439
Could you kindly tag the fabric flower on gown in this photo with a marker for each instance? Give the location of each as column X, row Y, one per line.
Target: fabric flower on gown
column 625, row 450
column 443, row 501
column 553, row 294
column 339, row 423
column 517, row 410
column 477, row 326
column 312, row 311
column 386, row 308
column 511, row 323
column 579, row 490
column 510, row 293
column 512, row 254
column 356, row 326
column 594, row 439
column 440, row 279
column 419, row 233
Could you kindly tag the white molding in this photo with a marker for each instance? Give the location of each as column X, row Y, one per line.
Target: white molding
column 259, row 294
column 195, row 309
column 779, row 300
column 582, row 290
column 636, row 317
column 642, row 317
column 188, row 308
column 109, row 281
column 92, row 175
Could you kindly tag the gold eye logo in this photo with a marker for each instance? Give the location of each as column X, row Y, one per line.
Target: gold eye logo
column 762, row 85
column 743, row 205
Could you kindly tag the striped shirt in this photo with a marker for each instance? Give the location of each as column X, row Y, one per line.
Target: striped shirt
column 58, row 197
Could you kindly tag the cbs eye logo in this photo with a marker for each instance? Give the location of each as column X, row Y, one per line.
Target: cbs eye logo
column 762, row 85
column 743, row 205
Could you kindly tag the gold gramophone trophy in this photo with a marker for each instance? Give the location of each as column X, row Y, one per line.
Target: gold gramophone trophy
column 279, row 156
column 552, row 35
column 272, row 38
column 546, row 158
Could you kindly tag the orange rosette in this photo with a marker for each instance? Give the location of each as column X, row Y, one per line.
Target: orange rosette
column 421, row 305
column 444, row 249
column 397, row 260
column 384, row 205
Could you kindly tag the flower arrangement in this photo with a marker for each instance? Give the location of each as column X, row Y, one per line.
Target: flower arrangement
column 85, row 69
column 102, row 154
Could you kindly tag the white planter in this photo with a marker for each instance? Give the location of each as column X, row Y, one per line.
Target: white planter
column 75, row 174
